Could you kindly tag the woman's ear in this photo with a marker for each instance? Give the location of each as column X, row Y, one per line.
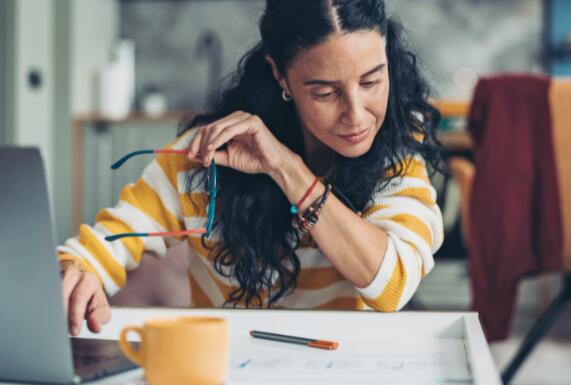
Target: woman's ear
column 279, row 78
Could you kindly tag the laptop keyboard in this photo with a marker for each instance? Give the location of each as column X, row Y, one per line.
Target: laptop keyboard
column 81, row 360
column 94, row 358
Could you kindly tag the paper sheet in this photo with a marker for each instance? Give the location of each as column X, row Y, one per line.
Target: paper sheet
column 434, row 361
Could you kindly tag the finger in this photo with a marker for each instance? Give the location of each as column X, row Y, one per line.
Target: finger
column 221, row 158
column 232, row 132
column 194, row 147
column 99, row 312
column 80, row 297
column 218, row 125
column 70, row 277
column 215, row 129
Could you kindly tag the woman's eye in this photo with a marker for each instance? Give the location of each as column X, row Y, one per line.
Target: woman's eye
column 325, row 95
column 370, row 84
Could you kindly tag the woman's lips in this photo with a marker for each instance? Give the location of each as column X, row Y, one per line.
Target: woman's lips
column 356, row 138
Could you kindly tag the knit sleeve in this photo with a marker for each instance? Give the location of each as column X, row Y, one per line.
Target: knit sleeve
column 151, row 204
column 406, row 210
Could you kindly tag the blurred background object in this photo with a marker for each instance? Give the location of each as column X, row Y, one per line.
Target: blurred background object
column 116, row 82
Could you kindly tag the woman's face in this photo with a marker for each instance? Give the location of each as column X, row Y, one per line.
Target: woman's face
column 341, row 88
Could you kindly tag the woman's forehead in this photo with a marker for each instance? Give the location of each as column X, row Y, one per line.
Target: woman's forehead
column 342, row 55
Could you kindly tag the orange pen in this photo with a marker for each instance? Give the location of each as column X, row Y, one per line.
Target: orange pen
column 311, row 342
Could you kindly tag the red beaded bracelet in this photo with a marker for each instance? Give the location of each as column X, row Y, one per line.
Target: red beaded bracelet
column 294, row 209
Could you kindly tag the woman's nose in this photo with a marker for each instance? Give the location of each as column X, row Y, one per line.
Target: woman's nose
column 354, row 111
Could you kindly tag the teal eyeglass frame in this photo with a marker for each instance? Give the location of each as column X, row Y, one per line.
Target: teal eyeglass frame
column 211, row 190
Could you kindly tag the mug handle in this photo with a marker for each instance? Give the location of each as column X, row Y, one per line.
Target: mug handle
column 134, row 355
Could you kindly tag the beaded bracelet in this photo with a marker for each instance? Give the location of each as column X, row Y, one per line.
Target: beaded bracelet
column 294, row 209
column 304, row 221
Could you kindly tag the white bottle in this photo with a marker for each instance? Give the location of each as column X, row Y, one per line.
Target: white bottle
column 117, row 83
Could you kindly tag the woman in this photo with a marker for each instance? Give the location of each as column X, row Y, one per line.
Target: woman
column 322, row 141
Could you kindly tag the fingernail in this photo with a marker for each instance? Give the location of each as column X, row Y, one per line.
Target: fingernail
column 74, row 330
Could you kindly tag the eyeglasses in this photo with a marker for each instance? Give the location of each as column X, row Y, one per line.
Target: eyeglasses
column 211, row 191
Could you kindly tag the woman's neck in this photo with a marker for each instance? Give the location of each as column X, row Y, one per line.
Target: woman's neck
column 318, row 157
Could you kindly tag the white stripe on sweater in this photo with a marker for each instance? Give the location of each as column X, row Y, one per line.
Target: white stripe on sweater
column 381, row 280
column 157, row 180
column 139, row 222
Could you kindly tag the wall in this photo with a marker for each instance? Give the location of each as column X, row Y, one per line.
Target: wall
column 94, row 30
column 62, row 139
column 33, row 119
column 458, row 41
column 7, row 86
column 171, row 44
column 463, row 39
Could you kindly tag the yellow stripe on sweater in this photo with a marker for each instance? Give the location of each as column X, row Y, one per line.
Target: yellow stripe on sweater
column 373, row 209
column 194, row 205
column 415, row 168
column 143, row 197
column 414, row 224
column 343, row 303
column 172, row 164
column 82, row 261
column 115, row 226
column 205, row 252
column 421, row 194
column 389, row 299
column 412, row 168
column 113, row 269
column 313, row 278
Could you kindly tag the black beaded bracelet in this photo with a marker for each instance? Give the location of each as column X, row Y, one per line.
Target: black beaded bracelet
column 304, row 221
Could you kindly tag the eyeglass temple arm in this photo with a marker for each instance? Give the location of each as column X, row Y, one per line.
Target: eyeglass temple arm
column 121, row 161
column 115, row 237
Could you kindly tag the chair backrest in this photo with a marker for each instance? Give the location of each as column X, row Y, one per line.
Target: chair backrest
column 463, row 172
column 560, row 102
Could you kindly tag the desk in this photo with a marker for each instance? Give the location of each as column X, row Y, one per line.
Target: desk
column 365, row 337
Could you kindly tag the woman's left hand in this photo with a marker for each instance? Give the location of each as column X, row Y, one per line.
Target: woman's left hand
column 250, row 146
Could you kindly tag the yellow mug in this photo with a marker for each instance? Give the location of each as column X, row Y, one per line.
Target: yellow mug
column 180, row 351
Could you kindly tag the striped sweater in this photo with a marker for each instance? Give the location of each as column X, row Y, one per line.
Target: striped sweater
column 405, row 209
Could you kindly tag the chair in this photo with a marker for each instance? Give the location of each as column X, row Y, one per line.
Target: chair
column 463, row 171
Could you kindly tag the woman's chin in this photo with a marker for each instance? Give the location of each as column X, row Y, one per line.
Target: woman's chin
column 353, row 151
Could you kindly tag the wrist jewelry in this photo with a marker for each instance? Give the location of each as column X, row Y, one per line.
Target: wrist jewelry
column 304, row 221
column 294, row 209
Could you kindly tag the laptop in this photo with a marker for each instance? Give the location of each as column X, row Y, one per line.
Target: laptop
column 34, row 341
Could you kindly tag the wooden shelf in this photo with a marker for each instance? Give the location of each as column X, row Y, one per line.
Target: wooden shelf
column 136, row 117
column 452, row 108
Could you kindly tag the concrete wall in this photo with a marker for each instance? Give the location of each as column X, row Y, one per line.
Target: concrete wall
column 457, row 40
column 172, row 50
column 463, row 39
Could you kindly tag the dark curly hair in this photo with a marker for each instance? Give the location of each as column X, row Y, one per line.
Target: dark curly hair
column 258, row 242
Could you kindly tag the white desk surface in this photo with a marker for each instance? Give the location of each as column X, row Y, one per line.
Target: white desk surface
column 388, row 348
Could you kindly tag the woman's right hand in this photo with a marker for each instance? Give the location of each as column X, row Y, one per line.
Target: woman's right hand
column 83, row 298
